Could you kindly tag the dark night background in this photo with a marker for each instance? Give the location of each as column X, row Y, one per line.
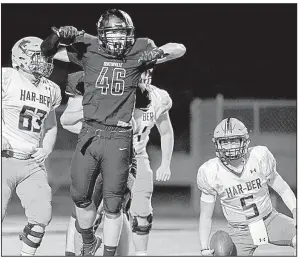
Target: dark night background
column 239, row 50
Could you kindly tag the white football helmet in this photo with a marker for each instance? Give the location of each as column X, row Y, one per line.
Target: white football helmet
column 26, row 55
column 231, row 139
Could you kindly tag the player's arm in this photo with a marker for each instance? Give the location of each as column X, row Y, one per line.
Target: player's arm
column 72, row 117
column 171, row 51
column 167, row 52
column 283, row 189
column 207, row 205
column 277, row 182
column 5, row 145
column 164, row 126
column 55, row 44
column 49, row 138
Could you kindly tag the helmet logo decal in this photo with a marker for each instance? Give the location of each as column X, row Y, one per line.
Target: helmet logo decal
column 23, row 45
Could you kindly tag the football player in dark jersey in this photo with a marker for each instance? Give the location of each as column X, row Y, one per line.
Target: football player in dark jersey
column 113, row 63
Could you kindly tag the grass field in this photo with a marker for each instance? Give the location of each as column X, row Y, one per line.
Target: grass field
column 170, row 237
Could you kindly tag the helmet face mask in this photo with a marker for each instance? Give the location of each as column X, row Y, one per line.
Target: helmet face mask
column 231, row 148
column 116, row 32
column 41, row 65
column 27, row 56
column 231, row 140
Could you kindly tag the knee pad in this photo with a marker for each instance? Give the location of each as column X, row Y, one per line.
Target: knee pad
column 113, row 205
column 80, row 199
column 29, row 231
column 82, row 203
column 142, row 230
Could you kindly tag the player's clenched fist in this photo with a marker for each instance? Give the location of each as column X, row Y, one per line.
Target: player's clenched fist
column 148, row 56
column 67, row 32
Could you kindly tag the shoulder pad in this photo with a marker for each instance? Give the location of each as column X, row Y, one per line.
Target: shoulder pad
column 8, row 71
column 141, row 44
column 56, row 93
column 206, row 175
column 160, row 99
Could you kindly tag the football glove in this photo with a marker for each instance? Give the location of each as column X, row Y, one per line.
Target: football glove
column 153, row 55
column 67, row 32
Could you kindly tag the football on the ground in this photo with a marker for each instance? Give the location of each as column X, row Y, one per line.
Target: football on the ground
column 222, row 244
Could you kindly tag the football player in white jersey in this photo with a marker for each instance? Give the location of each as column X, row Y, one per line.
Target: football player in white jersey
column 240, row 177
column 28, row 136
column 152, row 105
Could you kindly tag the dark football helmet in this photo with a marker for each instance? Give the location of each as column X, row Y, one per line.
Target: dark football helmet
column 116, row 32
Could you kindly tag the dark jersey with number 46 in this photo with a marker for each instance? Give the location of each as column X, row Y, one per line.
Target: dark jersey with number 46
column 110, row 83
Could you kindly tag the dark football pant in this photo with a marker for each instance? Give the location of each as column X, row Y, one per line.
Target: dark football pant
column 109, row 152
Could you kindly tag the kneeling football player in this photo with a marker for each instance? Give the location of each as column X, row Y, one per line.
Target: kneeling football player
column 240, row 176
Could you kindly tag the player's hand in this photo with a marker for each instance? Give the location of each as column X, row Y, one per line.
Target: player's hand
column 68, row 32
column 163, row 173
column 153, row 55
column 5, row 144
column 207, row 252
column 40, row 155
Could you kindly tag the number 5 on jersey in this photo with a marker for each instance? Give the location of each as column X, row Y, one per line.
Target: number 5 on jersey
column 117, row 85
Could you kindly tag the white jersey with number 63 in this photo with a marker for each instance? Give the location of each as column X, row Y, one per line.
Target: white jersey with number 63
column 24, row 109
column 245, row 198
column 145, row 120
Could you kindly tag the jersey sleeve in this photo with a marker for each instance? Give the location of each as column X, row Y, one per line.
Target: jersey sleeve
column 6, row 78
column 75, row 84
column 268, row 163
column 203, row 183
column 150, row 45
column 56, row 96
column 79, row 48
column 161, row 100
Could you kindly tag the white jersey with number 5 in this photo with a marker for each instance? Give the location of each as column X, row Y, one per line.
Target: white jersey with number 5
column 244, row 198
column 145, row 120
column 24, row 109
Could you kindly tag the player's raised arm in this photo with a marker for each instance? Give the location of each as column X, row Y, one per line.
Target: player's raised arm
column 55, row 44
column 171, row 51
column 161, row 54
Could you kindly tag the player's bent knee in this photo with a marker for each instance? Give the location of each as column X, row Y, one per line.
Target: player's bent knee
column 33, row 234
column 39, row 213
column 142, row 225
column 82, row 203
column 113, row 206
